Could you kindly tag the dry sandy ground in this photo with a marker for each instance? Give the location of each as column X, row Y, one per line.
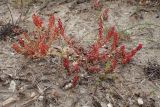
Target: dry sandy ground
column 38, row 82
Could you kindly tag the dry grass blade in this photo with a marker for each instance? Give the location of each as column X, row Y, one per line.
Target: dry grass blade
column 30, row 101
column 9, row 101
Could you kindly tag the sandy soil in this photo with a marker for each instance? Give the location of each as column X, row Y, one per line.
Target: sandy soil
column 38, row 82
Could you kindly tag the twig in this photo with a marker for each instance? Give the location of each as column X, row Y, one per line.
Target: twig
column 25, row 14
column 21, row 3
column 132, row 27
column 27, row 103
column 44, row 6
column 9, row 101
column 10, row 13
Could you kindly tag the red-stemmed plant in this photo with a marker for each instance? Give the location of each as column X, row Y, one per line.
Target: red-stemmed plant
column 92, row 59
column 37, row 43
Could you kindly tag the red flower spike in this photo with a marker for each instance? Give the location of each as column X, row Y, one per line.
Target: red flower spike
column 37, row 21
column 75, row 80
column 65, row 62
column 103, row 57
column 21, row 42
column 55, row 32
column 38, row 45
column 43, row 48
column 133, row 52
column 122, row 51
column 26, row 36
column 66, row 65
column 75, row 66
column 110, row 33
column 94, row 48
column 93, row 53
column 51, row 22
column 29, row 51
column 139, row 47
column 105, row 14
column 61, row 27
column 100, row 29
column 94, row 69
column 128, row 56
column 96, row 3
column 42, row 38
column 113, row 63
column 115, row 41
column 16, row 47
column 124, row 61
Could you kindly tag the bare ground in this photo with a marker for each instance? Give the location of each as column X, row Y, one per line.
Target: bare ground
column 38, row 82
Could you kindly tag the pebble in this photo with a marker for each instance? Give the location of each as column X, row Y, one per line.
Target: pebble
column 68, row 86
column 109, row 105
column 33, row 94
column 103, row 104
column 12, row 86
column 85, row 106
column 40, row 98
column 140, row 101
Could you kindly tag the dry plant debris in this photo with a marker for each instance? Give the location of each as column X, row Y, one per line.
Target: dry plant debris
column 152, row 71
column 10, row 30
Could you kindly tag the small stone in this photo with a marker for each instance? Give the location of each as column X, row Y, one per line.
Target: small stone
column 12, row 86
column 68, row 86
column 41, row 98
column 140, row 101
column 109, row 105
column 12, row 53
column 51, row 105
column 33, row 94
column 85, row 106
column 103, row 104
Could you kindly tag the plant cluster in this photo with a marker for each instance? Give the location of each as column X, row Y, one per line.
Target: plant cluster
column 96, row 4
column 37, row 43
column 96, row 56
column 102, row 55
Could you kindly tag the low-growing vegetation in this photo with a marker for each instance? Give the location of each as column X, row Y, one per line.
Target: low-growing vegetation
column 102, row 55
